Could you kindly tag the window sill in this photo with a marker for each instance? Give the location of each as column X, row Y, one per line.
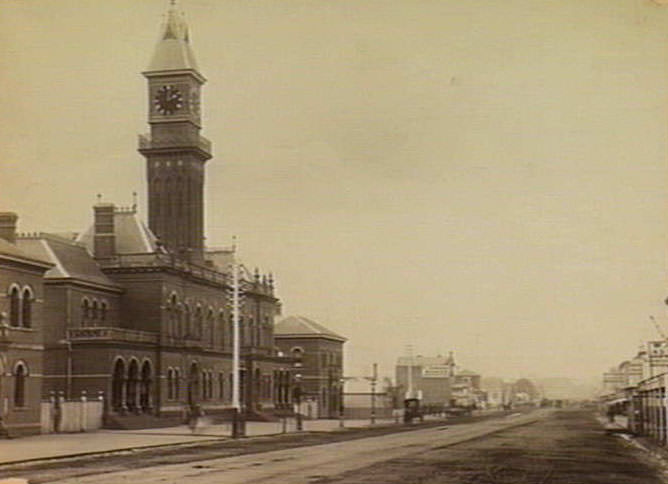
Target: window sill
column 21, row 329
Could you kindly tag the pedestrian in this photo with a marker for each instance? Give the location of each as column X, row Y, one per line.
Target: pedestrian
column 193, row 419
column 611, row 414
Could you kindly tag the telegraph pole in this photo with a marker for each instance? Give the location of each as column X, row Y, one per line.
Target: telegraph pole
column 237, row 425
column 374, row 377
column 409, row 393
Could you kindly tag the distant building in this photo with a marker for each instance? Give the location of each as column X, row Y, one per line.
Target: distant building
column 650, row 360
column 437, row 380
column 321, row 354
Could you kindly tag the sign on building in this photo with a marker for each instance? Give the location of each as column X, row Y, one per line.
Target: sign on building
column 436, row 371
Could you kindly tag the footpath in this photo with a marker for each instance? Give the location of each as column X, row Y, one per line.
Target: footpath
column 50, row 446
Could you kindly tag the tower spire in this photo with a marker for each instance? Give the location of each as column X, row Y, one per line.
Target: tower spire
column 175, row 151
column 173, row 51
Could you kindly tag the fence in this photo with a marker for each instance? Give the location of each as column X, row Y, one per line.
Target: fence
column 80, row 415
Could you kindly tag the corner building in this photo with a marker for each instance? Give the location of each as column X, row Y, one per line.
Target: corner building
column 21, row 326
column 141, row 315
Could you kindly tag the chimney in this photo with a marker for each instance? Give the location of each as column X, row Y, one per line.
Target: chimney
column 104, row 240
column 8, row 226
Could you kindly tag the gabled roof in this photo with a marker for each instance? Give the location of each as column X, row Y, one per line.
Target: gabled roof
column 173, row 52
column 299, row 326
column 70, row 260
column 10, row 250
column 132, row 236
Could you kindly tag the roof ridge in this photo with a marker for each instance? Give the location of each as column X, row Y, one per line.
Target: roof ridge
column 50, row 236
column 55, row 258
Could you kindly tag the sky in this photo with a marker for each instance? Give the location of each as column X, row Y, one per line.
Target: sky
column 474, row 176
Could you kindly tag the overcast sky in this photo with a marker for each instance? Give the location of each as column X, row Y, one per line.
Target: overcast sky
column 485, row 177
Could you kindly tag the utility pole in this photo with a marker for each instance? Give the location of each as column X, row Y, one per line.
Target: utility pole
column 410, row 372
column 374, row 377
column 237, row 424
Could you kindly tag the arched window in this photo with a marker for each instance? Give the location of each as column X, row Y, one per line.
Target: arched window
column 172, row 316
column 198, row 322
column 26, row 308
column 170, row 384
column 85, row 311
column 205, row 385
column 103, row 311
column 230, row 330
column 180, row 320
column 94, row 313
column 177, row 384
column 14, row 307
column 186, row 320
column 231, row 384
column 117, row 385
column 222, row 329
column 20, row 375
column 210, row 327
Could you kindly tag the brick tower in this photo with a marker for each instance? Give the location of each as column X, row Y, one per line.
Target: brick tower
column 175, row 151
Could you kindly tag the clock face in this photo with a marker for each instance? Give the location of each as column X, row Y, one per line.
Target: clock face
column 168, row 100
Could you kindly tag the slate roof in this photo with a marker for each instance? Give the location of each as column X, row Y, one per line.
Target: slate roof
column 299, row 326
column 173, row 51
column 70, row 260
column 132, row 236
column 11, row 250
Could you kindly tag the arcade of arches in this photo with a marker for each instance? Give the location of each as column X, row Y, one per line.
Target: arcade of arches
column 131, row 386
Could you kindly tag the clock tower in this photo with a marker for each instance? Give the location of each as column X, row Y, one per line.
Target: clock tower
column 175, row 151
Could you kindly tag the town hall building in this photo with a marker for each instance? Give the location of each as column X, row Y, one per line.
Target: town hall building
column 140, row 314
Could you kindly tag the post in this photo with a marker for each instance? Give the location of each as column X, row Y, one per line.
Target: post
column 341, row 408
column 84, row 408
column 410, row 371
column 237, row 417
column 68, row 382
column 298, row 401
column 374, row 376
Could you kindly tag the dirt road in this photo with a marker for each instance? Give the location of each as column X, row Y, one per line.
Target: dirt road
column 568, row 448
column 543, row 447
column 309, row 464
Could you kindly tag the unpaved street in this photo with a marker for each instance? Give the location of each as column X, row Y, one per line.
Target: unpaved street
column 569, row 447
column 542, row 447
column 308, row 464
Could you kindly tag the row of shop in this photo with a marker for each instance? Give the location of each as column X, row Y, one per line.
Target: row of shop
column 642, row 409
